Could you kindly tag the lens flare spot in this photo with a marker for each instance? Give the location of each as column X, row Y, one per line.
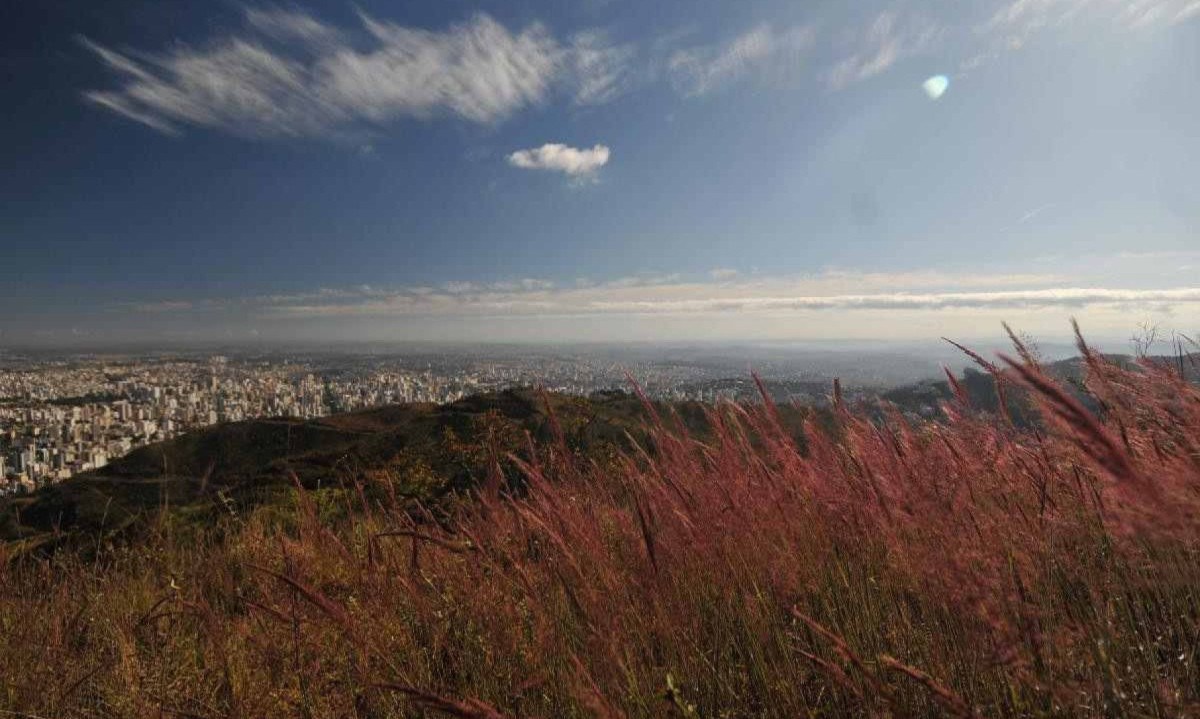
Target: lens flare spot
column 936, row 86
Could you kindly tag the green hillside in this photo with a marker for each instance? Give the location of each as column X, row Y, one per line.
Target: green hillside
column 429, row 449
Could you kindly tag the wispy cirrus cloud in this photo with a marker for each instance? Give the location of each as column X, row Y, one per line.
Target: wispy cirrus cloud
column 1012, row 23
column 986, row 31
column 287, row 73
column 603, row 70
column 555, row 157
column 888, row 38
column 290, row 74
column 761, row 52
column 293, row 25
column 1019, row 19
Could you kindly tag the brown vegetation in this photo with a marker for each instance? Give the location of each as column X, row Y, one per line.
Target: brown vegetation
column 966, row 567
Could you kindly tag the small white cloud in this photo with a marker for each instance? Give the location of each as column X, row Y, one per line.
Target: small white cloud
column 556, row 157
column 723, row 273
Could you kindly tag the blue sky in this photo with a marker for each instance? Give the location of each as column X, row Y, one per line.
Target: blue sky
column 600, row 169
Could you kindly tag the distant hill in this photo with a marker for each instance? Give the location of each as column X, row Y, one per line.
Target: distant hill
column 924, row 398
column 429, row 450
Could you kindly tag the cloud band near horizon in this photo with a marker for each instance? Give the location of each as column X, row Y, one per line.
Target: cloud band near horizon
column 725, row 294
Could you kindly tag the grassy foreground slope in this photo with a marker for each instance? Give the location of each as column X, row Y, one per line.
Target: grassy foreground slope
column 430, row 450
column 720, row 567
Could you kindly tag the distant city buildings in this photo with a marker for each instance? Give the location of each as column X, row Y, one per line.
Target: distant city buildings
column 62, row 417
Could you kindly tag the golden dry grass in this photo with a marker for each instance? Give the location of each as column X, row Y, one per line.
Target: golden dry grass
column 890, row 568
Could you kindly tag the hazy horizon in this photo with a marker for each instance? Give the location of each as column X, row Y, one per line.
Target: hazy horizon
column 1055, row 347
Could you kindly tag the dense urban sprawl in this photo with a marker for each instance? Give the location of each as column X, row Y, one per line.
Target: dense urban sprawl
column 62, row 415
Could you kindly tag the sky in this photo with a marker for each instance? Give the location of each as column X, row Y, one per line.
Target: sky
column 610, row 170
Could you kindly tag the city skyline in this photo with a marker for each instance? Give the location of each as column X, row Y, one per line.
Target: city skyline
column 491, row 172
column 63, row 414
